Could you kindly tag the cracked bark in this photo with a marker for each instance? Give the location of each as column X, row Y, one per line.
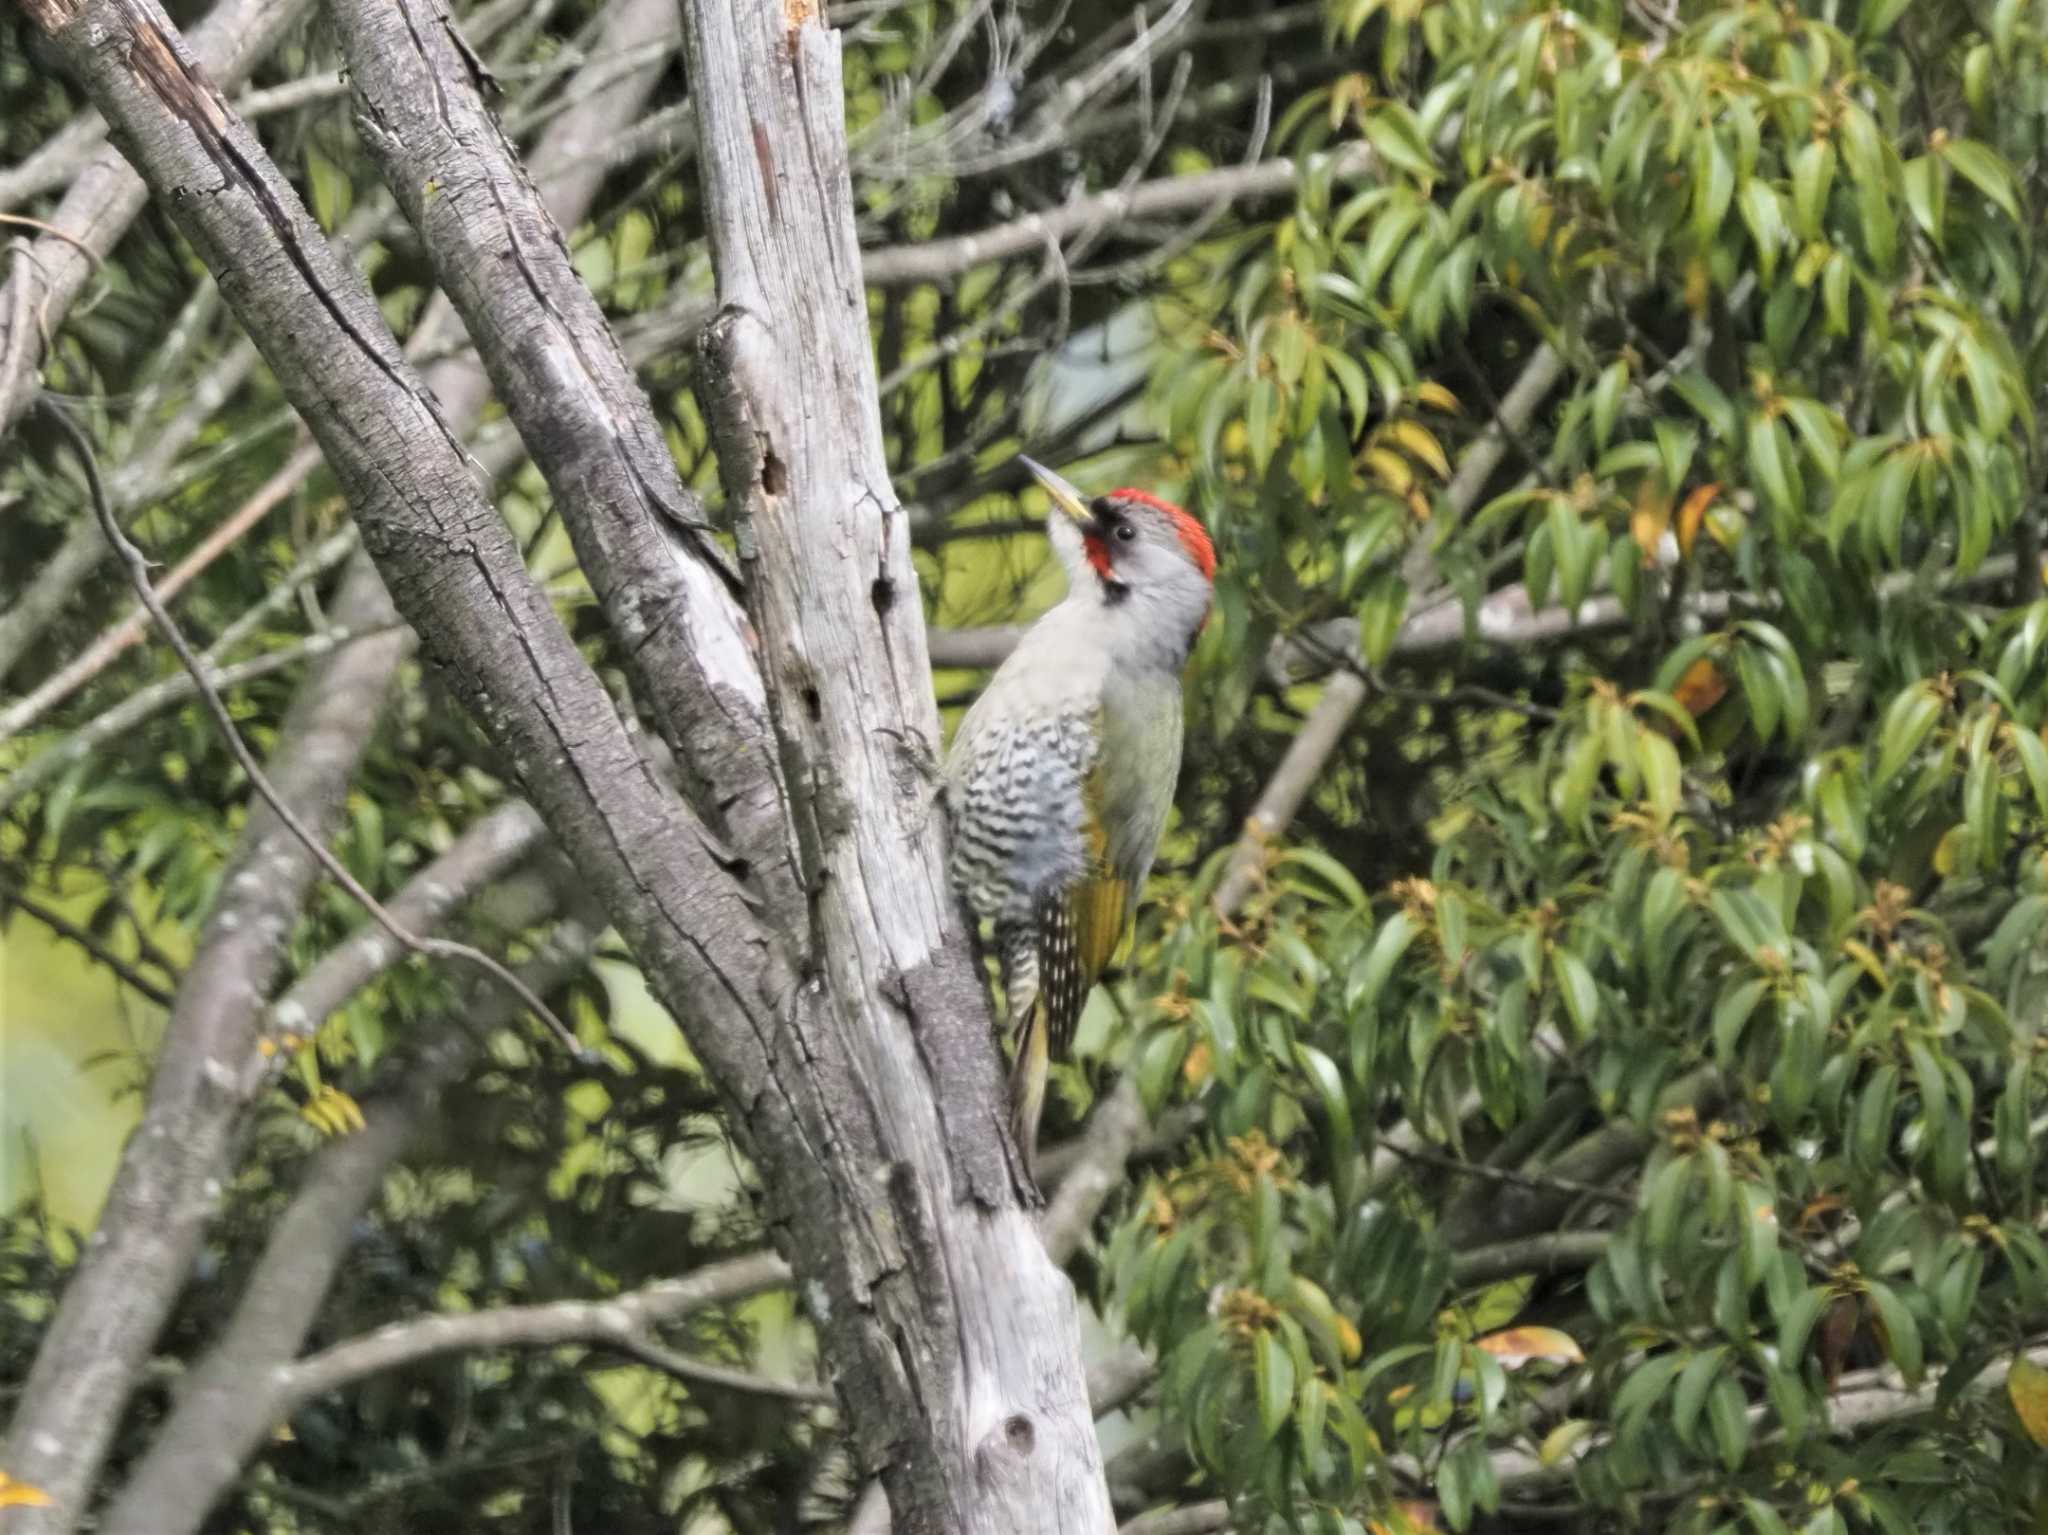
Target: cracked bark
column 966, row 1390
column 99, row 1339
column 838, row 1019
column 580, row 412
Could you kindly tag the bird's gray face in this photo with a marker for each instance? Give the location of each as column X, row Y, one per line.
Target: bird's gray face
column 1137, row 543
column 1128, row 543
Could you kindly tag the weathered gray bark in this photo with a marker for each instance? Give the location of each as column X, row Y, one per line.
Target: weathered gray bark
column 232, row 1399
column 170, row 1174
column 964, row 1373
column 580, row 412
column 70, row 1410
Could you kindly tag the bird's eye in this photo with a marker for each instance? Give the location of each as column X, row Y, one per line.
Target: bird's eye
column 1125, row 532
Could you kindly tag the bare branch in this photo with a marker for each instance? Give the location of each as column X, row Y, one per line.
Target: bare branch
column 1300, row 766
column 232, row 1398
column 1549, row 1252
column 696, row 1372
column 630, row 1316
column 943, row 260
column 580, row 412
column 953, row 1338
column 1098, row 1170
column 1195, row 1519
column 127, row 631
column 107, row 195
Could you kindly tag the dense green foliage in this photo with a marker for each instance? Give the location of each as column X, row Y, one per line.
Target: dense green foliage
column 1732, row 901
column 1613, row 1104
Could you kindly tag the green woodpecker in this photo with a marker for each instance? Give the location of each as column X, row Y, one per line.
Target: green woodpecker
column 1060, row 776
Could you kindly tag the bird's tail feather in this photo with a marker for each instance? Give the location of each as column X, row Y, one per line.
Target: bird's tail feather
column 1017, row 953
column 1027, row 1089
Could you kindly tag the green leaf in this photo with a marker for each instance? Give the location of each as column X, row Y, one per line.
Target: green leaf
column 1643, row 1389
column 329, row 189
column 1731, row 1013
column 1581, row 995
column 1767, row 461
column 1663, row 782
column 1391, row 130
column 1380, row 615
column 1983, row 168
column 1691, row 1394
column 1343, row 1142
column 1901, row 1332
column 1607, row 397
column 1728, row 1417
column 1906, row 725
column 1713, row 187
column 1813, row 173
column 1796, row 1326
column 1923, row 195
column 1765, row 216
column 1388, row 945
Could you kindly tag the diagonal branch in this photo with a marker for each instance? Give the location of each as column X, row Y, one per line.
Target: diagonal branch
column 232, row 1397
column 106, row 196
column 580, row 412
column 142, row 1250
column 899, row 266
column 153, row 604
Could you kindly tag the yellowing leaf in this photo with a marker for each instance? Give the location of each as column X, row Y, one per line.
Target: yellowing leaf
column 1651, row 517
column 1410, row 1518
column 1348, row 1339
column 15, row 1494
column 1518, row 1345
column 332, row 1112
column 1429, row 392
column 1391, row 469
column 1696, row 280
column 1421, row 445
column 2027, row 1385
column 1559, row 1443
column 1700, row 688
column 1692, row 514
column 1195, row 1069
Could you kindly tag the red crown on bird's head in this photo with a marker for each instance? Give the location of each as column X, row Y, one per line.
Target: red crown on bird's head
column 1193, row 536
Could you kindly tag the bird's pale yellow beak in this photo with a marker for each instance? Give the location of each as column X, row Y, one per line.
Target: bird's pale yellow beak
column 1064, row 496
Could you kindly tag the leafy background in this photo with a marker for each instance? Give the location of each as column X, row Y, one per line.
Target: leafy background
column 1610, row 1104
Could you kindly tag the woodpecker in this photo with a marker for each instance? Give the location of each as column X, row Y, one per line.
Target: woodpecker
column 1060, row 776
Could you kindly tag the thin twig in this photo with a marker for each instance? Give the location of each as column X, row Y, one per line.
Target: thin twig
column 649, row 1350
column 55, row 233
column 1533, row 1181
column 138, row 576
column 13, row 895
column 127, row 631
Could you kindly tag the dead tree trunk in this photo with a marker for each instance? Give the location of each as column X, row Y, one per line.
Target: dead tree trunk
column 982, row 1420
